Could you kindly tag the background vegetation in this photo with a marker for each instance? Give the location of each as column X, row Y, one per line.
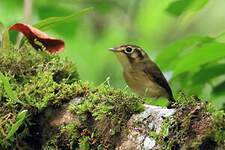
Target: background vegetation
column 185, row 38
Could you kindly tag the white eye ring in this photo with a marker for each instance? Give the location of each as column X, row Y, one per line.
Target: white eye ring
column 128, row 50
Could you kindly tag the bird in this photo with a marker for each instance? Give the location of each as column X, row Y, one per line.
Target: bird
column 141, row 74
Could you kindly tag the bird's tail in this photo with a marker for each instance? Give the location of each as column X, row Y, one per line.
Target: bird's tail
column 171, row 99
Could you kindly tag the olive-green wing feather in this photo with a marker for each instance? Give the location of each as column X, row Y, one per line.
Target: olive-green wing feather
column 154, row 73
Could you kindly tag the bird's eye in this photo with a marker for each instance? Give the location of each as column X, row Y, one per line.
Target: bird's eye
column 128, row 50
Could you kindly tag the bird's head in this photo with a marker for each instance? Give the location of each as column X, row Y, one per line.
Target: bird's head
column 129, row 54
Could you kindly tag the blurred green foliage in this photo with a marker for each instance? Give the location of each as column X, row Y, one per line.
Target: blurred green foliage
column 178, row 7
column 182, row 36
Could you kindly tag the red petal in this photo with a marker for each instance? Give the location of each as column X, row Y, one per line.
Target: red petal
column 51, row 44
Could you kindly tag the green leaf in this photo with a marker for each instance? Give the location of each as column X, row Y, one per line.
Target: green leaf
column 8, row 89
column 219, row 102
column 199, row 4
column 21, row 115
column 178, row 7
column 170, row 55
column 53, row 21
column 219, row 89
column 102, row 6
column 19, row 121
column 1, row 27
column 5, row 41
column 208, row 73
column 204, row 54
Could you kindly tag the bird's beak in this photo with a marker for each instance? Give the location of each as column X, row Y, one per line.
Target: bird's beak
column 113, row 49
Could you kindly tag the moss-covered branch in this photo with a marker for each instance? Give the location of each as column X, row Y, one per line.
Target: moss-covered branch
column 55, row 110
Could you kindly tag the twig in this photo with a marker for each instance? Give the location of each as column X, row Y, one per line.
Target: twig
column 28, row 9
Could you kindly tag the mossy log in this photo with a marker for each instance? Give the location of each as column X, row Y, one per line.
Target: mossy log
column 63, row 112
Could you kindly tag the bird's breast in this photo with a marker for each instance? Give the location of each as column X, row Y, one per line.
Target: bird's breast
column 142, row 85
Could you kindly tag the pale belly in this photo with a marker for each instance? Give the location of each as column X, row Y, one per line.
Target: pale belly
column 143, row 86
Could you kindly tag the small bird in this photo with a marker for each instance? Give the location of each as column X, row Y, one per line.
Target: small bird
column 141, row 74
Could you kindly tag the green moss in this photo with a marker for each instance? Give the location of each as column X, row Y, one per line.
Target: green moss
column 194, row 125
column 67, row 137
column 38, row 80
column 44, row 83
column 103, row 113
column 26, row 62
column 217, row 132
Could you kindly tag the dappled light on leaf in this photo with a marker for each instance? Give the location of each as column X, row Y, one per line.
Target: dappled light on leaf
column 38, row 38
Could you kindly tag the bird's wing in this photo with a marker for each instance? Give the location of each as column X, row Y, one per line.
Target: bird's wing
column 153, row 72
